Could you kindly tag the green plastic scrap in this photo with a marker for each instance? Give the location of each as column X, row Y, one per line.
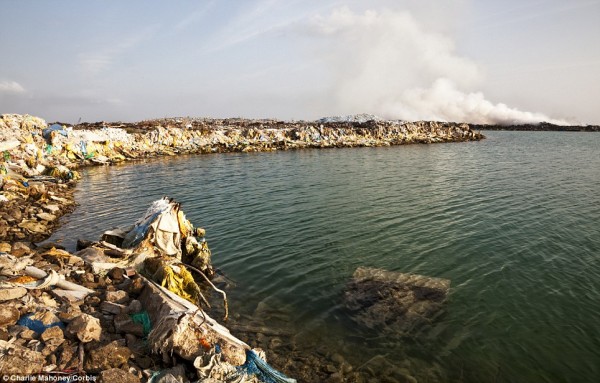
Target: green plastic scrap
column 48, row 148
column 144, row 320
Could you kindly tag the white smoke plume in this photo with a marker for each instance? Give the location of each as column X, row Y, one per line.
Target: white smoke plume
column 386, row 64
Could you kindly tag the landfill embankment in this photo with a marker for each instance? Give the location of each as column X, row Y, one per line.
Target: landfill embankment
column 38, row 172
column 39, row 162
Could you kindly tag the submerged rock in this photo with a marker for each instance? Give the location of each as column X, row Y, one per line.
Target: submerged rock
column 394, row 302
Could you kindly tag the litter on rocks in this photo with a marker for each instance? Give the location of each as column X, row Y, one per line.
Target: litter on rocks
column 125, row 302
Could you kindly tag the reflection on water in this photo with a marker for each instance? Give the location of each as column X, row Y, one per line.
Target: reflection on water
column 512, row 221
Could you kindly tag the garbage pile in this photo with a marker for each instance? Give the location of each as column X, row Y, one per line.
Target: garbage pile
column 394, row 303
column 37, row 159
column 123, row 308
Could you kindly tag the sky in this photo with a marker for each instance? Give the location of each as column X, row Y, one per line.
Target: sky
column 477, row 61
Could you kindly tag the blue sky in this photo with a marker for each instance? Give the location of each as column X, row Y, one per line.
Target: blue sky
column 457, row 60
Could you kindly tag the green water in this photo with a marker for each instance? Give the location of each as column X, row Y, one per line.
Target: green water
column 513, row 221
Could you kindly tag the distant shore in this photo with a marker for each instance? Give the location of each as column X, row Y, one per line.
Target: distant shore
column 543, row 126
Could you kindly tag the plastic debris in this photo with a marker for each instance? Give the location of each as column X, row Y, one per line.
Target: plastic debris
column 144, row 319
column 39, row 323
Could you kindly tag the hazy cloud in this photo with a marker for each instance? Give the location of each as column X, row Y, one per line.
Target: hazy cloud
column 11, row 87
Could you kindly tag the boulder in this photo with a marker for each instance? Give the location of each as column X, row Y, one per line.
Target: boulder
column 104, row 358
column 118, row 296
column 52, row 333
column 8, row 293
column 117, row 375
column 9, row 315
column 85, row 327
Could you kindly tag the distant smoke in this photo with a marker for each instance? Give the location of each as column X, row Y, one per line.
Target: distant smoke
column 386, row 64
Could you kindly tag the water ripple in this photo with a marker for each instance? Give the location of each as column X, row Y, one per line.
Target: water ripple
column 512, row 221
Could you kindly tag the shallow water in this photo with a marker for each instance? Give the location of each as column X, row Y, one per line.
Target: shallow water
column 513, row 221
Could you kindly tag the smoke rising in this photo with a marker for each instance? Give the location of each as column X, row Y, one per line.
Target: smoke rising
column 385, row 63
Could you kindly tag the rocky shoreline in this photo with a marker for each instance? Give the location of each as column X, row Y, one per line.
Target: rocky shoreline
column 38, row 173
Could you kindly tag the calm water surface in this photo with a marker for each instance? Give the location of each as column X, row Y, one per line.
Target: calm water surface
column 513, row 221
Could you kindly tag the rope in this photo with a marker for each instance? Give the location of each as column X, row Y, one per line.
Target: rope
column 225, row 304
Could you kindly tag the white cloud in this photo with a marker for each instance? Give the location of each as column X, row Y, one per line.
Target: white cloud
column 11, row 87
column 385, row 63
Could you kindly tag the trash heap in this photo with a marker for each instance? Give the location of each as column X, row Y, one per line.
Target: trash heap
column 37, row 160
column 125, row 307
column 394, row 303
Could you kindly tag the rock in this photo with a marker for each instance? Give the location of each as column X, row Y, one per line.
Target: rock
column 28, row 334
column 46, row 216
column 47, row 317
column 91, row 254
column 20, row 249
column 117, row 375
column 134, row 307
column 9, row 315
column 112, row 308
column 53, row 209
column 15, row 359
column 118, row 296
column 69, row 315
column 86, row 328
column 137, row 345
column 124, row 324
column 33, row 227
column 136, row 286
column 104, row 358
column 67, row 356
column 3, row 334
column 5, row 247
column 116, row 274
column 330, row 368
column 394, row 303
column 15, row 214
column 335, row 378
column 337, row 359
column 93, row 300
column 52, row 333
column 6, row 294
column 83, row 244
